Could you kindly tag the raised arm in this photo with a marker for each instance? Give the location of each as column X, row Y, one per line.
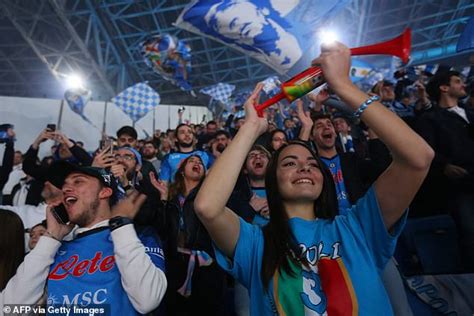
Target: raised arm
column 7, row 164
column 412, row 156
column 221, row 223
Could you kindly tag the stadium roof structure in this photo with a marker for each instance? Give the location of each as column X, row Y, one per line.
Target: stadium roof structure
column 42, row 39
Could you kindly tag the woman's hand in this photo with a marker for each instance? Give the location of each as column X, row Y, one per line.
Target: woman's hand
column 160, row 186
column 335, row 61
column 251, row 117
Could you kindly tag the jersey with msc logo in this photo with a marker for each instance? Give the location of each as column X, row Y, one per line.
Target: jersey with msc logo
column 85, row 272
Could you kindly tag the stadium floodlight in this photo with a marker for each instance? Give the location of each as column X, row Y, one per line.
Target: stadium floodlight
column 74, row 81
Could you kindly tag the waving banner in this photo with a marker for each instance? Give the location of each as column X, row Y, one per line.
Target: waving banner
column 137, row 100
column 77, row 100
column 276, row 32
column 168, row 57
column 220, row 92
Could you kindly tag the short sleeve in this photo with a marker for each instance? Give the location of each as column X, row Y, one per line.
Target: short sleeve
column 366, row 215
column 247, row 256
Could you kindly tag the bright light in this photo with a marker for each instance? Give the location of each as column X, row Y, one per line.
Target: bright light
column 74, row 82
column 328, row 37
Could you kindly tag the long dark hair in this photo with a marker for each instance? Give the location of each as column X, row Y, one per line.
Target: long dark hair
column 12, row 245
column 279, row 241
column 178, row 186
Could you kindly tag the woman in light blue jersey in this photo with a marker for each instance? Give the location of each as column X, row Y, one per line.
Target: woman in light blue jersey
column 307, row 261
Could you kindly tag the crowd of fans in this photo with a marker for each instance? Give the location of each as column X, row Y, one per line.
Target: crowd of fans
column 174, row 187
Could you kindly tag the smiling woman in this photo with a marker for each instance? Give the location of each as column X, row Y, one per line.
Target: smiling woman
column 306, row 260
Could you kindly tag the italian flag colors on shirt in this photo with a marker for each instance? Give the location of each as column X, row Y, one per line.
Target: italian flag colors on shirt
column 325, row 289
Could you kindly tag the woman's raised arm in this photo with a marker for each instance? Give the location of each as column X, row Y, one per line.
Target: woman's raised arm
column 412, row 156
column 221, row 223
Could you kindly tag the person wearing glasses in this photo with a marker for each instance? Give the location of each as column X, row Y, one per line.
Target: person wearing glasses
column 125, row 164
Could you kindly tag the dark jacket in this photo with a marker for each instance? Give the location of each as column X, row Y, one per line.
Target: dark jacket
column 40, row 173
column 7, row 164
column 34, row 193
column 452, row 139
column 208, row 283
column 450, row 136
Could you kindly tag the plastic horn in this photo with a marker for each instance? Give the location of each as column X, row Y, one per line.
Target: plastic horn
column 312, row 77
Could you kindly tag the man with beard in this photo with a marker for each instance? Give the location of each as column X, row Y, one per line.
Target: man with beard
column 449, row 130
column 149, row 153
column 126, row 167
column 220, row 142
column 106, row 262
column 208, row 135
column 127, row 136
column 185, row 144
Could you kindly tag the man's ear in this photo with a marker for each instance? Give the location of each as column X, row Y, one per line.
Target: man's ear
column 444, row 88
column 105, row 193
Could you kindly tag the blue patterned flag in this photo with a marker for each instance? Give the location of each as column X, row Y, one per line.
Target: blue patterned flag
column 220, row 92
column 136, row 101
column 239, row 98
column 170, row 58
column 272, row 86
column 77, row 100
column 466, row 40
column 276, row 33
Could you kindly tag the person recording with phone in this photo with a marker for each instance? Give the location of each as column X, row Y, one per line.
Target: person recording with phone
column 66, row 150
column 105, row 254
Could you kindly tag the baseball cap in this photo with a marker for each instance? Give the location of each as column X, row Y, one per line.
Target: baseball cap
column 60, row 170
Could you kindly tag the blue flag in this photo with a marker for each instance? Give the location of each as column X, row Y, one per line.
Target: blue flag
column 360, row 70
column 136, row 101
column 77, row 100
column 276, row 32
column 272, row 86
column 170, row 58
column 220, row 92
column 466, row 40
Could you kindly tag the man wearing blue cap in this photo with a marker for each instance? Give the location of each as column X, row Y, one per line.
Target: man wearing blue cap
column 106, row 262
column 128, row 163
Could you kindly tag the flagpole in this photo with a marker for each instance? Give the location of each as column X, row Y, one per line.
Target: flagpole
column 105, row 119
column 58, row 127
column 169, row 117
column 154, row 113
